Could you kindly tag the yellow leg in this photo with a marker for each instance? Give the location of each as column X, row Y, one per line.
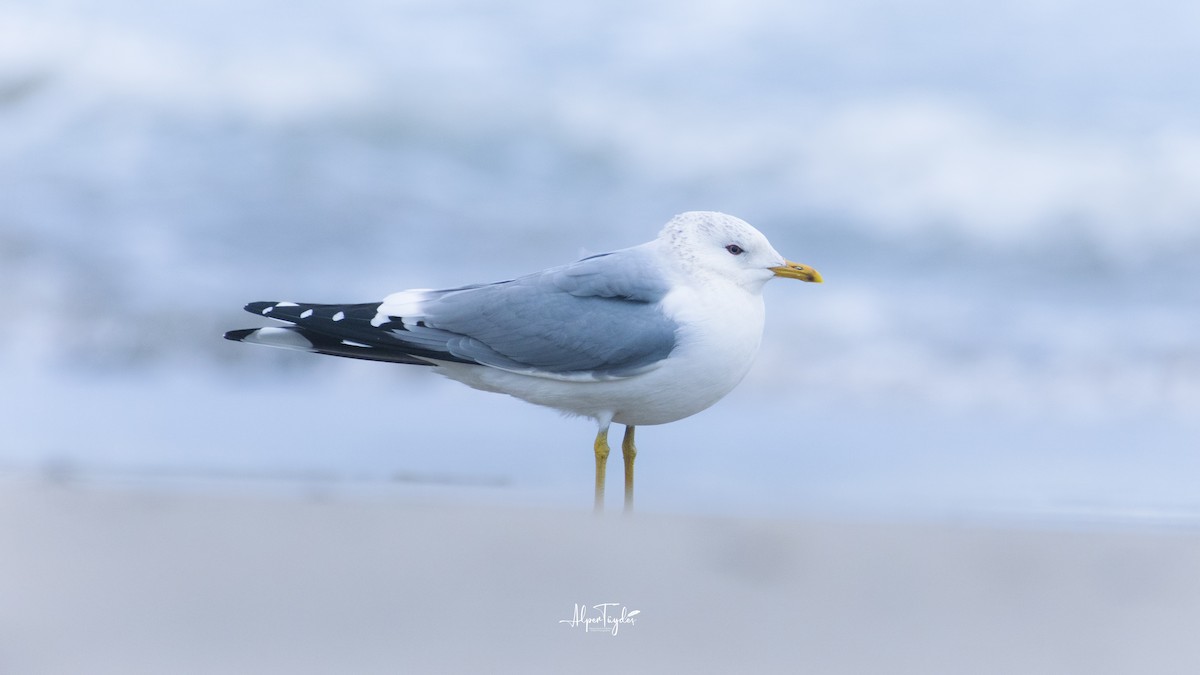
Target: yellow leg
column 601, row 447
column 628, row 451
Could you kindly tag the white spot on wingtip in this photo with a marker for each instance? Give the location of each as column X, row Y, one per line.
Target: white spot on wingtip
column 279, row 337
column 286, row 304
column 268, row 310
column 351, row 343
column 306, row 313
column 339, row 316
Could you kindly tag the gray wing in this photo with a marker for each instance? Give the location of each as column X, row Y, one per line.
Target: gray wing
column 597, row 318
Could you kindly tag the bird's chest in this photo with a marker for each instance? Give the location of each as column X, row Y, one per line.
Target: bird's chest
column 718, row 337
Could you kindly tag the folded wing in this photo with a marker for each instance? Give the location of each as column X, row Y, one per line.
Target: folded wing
column 599, row 318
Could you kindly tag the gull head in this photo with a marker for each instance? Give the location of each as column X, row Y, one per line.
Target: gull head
column 719, row 245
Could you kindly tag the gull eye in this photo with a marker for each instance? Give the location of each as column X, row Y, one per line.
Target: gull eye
column 734, row 249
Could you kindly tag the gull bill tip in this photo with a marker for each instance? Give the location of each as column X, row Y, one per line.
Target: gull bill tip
column 795, row 270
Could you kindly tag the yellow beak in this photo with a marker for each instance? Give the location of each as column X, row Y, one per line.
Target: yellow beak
column 792, row 270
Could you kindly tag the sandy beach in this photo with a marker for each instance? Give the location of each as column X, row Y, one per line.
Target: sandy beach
column 141, row 579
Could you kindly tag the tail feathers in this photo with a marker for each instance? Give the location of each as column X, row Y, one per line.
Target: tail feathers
column 307, row 340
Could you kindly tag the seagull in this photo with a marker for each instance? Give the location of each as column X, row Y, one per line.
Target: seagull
column 644, row 335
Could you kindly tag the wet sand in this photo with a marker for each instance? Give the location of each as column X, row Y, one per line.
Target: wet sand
column 109, row 579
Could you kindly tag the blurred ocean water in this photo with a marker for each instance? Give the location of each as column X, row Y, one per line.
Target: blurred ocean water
column 1002, row 200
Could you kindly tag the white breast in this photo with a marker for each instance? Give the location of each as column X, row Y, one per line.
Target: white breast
column 718, row 338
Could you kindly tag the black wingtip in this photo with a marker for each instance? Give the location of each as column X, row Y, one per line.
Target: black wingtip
column 239, row 335
column 258, row 307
